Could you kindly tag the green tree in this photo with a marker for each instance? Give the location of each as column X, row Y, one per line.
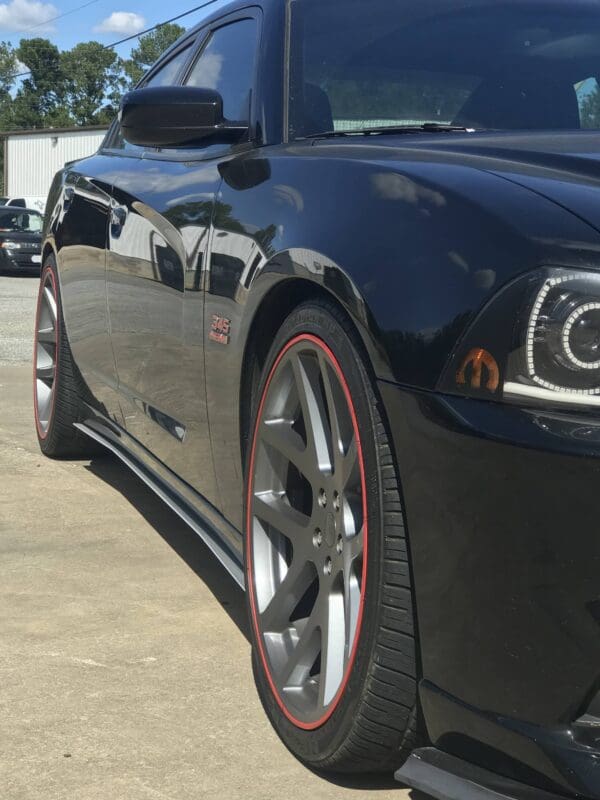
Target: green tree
column 8, row 69
column 590, row 110
column 93, row 82
column 38, row 102
column 151, row 46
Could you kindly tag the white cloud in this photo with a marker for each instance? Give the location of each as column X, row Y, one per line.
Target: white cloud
column 209, row 75
column 124, row 22
column 20, row 15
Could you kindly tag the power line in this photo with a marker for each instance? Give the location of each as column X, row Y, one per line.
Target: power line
column 58, row 16
column 127, row 38
column 160, row 24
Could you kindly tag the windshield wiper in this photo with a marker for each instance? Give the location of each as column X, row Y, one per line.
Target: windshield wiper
column 427, row 127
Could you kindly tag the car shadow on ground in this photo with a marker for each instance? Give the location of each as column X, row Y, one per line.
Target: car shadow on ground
column 198, row 557
column 373, row 783
column 177, row 535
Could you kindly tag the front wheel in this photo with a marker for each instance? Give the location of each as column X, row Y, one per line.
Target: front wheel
column 328, row 582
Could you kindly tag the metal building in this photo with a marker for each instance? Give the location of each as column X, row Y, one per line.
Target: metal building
column 33, row 157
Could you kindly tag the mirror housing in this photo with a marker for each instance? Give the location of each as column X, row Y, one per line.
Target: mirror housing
column 176, row 116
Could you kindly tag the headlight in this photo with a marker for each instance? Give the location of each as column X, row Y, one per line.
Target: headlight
column 10, row 245
column 537, row 341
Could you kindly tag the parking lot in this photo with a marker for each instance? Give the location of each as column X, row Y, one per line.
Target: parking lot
column 124, row 658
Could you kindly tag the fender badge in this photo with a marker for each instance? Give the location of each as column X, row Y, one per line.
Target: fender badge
column 220, row 329
column 471, row 371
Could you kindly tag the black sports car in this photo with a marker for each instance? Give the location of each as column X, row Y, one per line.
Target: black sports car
column 20, row 240
column 331, row 286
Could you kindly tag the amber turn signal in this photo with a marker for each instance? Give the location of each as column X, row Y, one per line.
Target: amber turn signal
column 476, row 360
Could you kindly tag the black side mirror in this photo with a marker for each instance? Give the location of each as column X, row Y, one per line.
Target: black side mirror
column 175, row 116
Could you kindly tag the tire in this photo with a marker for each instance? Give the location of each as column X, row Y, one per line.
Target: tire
column 58, row 388
column 358, row 713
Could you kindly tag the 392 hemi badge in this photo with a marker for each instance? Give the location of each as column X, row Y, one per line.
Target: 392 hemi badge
column 220, row 329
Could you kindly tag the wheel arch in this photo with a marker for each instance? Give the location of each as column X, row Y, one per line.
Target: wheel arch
column 270, row 313
column 48, row 249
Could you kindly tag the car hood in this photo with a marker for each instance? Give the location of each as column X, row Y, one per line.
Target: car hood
column 20, row 236
column 563, row 167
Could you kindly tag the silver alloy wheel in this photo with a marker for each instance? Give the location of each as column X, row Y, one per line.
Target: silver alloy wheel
column 46, row 342
column 307, row 527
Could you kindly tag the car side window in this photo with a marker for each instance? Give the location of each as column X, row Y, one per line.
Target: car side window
column 226, row 64
column 31, row 223
column 588, row 101
column 168, row 74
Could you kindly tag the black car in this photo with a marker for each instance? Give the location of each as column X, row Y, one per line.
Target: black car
column 20, row 240
column 331, row 287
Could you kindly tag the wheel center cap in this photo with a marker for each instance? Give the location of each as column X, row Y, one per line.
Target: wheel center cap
column 330, row 530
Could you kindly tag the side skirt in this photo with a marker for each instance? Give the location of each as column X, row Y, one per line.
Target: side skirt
column 214, row 530
column 445, row 777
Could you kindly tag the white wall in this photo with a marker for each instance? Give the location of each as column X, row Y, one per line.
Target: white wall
column 33, row 159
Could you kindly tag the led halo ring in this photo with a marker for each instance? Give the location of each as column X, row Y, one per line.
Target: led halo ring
column 566, row 336
column 533, row 321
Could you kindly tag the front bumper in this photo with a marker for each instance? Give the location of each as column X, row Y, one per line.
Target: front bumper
column 503, row 514
column 445, row 777
column 20, row 261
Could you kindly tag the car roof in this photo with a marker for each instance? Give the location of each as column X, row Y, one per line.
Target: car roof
column 21, row 209
column 215, row 9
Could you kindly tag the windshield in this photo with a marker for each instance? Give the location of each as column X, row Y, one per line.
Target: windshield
column 483, row 64
column 20, row 221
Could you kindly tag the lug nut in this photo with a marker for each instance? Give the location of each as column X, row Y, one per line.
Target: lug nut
column 327, row 566
column 318, row 538
column 340, row 544
column 336, row 501
column 322, row 498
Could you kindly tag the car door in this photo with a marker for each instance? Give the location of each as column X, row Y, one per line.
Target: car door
column 78, row 220
column 163, row 206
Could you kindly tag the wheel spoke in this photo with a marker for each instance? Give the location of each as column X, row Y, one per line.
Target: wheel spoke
column 351, row 516
column 44, row 400
column 272, row 509
column 313, row 412
column 350, row 474
column 47, row 336
column 296, row 668
column 333, row 641
column 353, row 549
column 335, row 434
column 45, row 373
column 276, row 616
column 351, row 606
column 279, row 435
column 50, row 301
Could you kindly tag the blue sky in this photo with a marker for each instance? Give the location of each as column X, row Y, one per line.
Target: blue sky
column 102, row 20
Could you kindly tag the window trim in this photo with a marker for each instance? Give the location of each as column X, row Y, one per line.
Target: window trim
column 287, row 49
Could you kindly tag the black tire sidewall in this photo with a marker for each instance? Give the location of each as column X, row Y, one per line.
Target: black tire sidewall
column 318, row 746
column 46, row 441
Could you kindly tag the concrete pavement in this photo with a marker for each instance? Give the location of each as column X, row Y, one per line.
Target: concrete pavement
column 124, row 660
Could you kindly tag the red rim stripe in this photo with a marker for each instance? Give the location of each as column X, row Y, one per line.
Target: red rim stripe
column 305, row 337
column 47, row 271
